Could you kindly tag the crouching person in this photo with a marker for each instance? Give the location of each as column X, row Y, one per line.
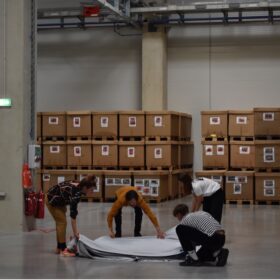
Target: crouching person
column 200, row 228
column 58, row 196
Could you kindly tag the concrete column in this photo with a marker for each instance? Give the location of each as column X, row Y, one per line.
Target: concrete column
column 15, row 122
column 154, row 69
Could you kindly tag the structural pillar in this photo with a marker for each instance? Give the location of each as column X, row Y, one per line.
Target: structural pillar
column 17, row 62
column 154, row 68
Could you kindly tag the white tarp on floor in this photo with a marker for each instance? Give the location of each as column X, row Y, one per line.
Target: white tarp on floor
column 132, row 248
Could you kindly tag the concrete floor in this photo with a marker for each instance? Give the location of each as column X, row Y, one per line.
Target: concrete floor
column 252, row 237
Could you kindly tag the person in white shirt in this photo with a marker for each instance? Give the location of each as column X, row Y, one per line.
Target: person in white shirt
column 200, row 228
column 207, row 192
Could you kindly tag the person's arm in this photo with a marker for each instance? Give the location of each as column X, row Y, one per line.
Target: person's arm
column 147, row 210
column 112, row 213
column 75, row 228
column 73, row 215
column 196, row 203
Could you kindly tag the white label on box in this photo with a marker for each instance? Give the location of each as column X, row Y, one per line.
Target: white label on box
column 220, row 150
column 237, row 188
column 46, row 177
column 154, row 187
column 241, row 120
column 132, row 121
column 53, row 120
column 217, row 178
column 97, row 187
column 105, row 150
column 77, row 151
column 118, row 181
column 131, row 152
column 244, row 150
column 76, row 122
column 158, row 121
column 158, row 153
column 104, row 121
column 60, row 179
column 109, row 181
column 269, row 184
column 268, row 116
column 215, row 120
column 146, row 188
column 139, row 189
column 269, row 192
column 268, row 154
column 54, row 149
column 139, row 185
column 208, row 150
column 231, row 179
column 241, row 179
column 126, row 181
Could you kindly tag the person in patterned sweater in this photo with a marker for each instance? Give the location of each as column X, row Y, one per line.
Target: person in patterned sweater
column 60, row 195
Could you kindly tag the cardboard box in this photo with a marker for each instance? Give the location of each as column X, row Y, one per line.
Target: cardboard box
column 214, row 124
column 54, row 124
column 239, row 185
column 79, row 153
column 53, row 177
column 267, row 153
column 185, row 126
column 241, row 123
column 186, row 154
column 105, row 124
column 163, row 124
column 105, row 153
column 242, row 154
column 115, row 180
column 162, row 153
column 215, row 154
column 215, row 175
column 54, row 153
column 267, row 186
column 79, row 124
column 267, row 121
column 98, row 191
column 131, row 124
column 39, row 126
column 131, row 154
column 153, row 185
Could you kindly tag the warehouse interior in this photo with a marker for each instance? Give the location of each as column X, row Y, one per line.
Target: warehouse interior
column 123, row 56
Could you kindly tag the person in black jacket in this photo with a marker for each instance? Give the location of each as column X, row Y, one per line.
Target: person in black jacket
column 67, row 193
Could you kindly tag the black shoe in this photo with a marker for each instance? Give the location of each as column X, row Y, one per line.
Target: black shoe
column 118, row 235
column 222, row 257
column 137, row 234
column 190, row 262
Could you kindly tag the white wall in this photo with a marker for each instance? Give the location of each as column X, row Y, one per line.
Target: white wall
column 102, row 71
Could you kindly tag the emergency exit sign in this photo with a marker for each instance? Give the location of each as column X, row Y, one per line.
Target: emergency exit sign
column 5, row 102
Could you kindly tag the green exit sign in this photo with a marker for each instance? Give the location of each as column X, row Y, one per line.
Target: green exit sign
column 5, row 102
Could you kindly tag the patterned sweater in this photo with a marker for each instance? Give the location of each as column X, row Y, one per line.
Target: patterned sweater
column 65, row 193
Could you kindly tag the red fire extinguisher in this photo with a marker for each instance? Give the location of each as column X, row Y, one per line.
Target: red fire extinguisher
column 40, row 213
column 26, row 177
column 30, row 203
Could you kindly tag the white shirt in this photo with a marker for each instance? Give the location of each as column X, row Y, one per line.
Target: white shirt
column 204, row 187
column 201, row 221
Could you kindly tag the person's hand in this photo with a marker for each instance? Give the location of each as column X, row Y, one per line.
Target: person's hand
column 111, row 233
column 160, row 234
column 77, row 235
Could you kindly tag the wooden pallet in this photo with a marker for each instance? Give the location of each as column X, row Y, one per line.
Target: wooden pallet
column 155, row 200
column 131, row 168
column 241, row 169
column 268, row 170
column 109, row 199
column 91, row 199
column 53, row 138
column 162, row 138
column 217, row 138
column 48, row 167
column 240, row 202
column 184, row 138
column 104, row 167
column 267, row 137
column 104, row 138
column 78, row 138
column 81, row 167
column 167, row 168
column 242, row 138
column 131, row 138
column 215, row 168
column 267, row 202
column 186, row 166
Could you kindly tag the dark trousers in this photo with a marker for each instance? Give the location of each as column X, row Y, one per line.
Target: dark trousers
column 138, row 220
column 190, row 237
column 214, row 204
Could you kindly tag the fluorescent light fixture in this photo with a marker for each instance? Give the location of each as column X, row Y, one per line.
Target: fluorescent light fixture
column 5, row 102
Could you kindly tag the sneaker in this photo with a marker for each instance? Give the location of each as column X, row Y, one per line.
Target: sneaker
column 222, row 257
column 67, row 253
column 190, row 262
column 137, row 234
